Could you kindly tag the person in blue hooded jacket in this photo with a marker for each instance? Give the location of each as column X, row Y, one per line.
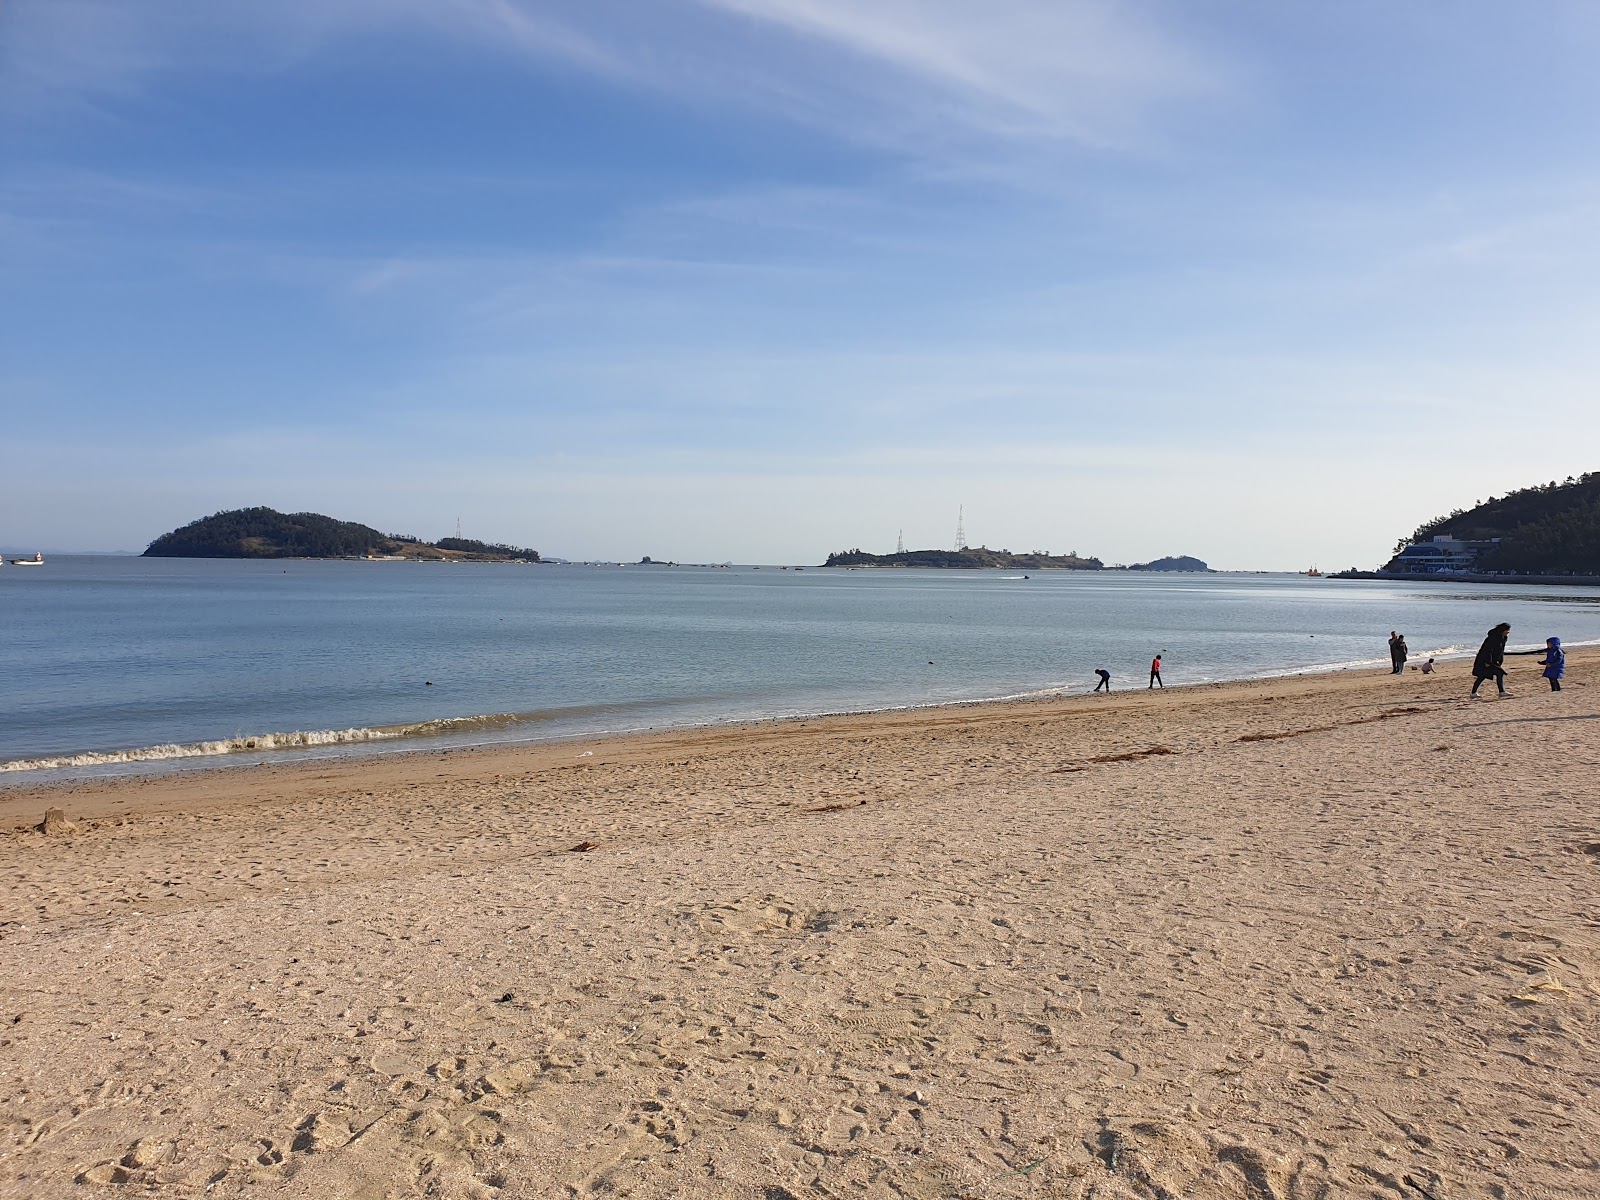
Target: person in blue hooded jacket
column 1554, row 662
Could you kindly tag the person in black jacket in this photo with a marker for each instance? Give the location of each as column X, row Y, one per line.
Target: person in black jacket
column 1490, row 663
column 1398, row 652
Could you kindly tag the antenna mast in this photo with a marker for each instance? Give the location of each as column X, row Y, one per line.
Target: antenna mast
column 458, row 529
column 900, row 543
column 961, row 528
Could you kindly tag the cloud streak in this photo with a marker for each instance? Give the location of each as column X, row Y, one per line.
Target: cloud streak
column 1083, row 70
column 928, row 77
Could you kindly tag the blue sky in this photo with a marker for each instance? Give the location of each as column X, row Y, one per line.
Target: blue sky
column 760, row 279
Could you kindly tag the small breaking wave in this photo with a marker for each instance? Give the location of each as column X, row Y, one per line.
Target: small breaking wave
column 1355, row 664
column 260, row 743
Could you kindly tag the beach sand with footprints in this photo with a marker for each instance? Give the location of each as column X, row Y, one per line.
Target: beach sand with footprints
column 1328, row 936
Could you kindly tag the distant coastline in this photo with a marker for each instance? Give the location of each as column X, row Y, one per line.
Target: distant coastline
column 970, row 559
column 966, row 559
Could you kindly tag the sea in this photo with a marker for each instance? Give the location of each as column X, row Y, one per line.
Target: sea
column 115, row 665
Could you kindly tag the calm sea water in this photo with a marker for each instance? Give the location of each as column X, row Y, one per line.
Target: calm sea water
column 117, row 664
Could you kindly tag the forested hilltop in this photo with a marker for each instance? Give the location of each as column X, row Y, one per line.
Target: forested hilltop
column 969, row 559
column 1174, row 562
column 267, row 533
column 1551, row 528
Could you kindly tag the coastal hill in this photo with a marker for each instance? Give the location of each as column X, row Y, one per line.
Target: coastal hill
column 1551, row 528
column 1179, row 562
column 267, row 533
column 968, row 559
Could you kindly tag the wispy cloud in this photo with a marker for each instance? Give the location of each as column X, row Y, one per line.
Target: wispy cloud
column 82, row 51
column 75, row 55
column 922, row 75
column 1079, row 70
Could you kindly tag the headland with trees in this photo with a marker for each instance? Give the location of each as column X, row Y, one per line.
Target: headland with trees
column 268, row 533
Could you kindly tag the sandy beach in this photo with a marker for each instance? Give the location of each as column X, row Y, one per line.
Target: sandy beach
column 1329, row 936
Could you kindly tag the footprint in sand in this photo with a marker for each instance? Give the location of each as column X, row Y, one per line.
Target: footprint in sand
column 1162, row 1158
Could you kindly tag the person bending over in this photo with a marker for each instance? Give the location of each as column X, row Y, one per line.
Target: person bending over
column 1105, row 680
column 1155, row 673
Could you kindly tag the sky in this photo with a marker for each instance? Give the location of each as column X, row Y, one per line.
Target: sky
column 756, row 280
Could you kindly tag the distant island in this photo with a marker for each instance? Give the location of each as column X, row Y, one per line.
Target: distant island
column 1548, row 530
column 1181, row 562
column 966, row 559
column 267, row 533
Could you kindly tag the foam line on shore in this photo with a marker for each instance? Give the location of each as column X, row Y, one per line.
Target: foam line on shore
column 296, row 740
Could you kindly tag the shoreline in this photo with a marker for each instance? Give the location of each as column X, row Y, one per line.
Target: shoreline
column 1289, row 938
column 195, row 777
column 166, row 760
column 367, row 749
column 1467, row 577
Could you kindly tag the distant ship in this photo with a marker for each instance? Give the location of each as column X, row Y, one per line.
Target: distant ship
column 36, row 561
column 1314, row 573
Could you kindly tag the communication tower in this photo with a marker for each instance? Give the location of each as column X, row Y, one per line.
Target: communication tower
column 961, row 528
column 900, row 543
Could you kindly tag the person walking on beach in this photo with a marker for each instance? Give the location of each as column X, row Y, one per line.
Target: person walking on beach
column 1105, row 680
column 1554, row 662
column 1491, row 659
column 1155, row 673
column 1398, row 652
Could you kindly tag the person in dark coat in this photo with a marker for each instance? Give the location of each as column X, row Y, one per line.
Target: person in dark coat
column 1490, row 662
column 1105, row 679
column 1554, row 662
column 1398, row 652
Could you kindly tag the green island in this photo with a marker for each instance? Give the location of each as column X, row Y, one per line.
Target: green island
column 1173, row 562
column 268, row 533
column 1546, row 531
column 966, row 559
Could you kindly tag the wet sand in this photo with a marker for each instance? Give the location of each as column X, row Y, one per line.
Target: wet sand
column 1318, row 937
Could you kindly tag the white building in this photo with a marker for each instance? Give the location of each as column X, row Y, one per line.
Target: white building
column 1442, row 554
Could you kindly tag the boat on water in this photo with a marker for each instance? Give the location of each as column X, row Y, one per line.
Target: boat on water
column 1314, row 573
column 36, row 561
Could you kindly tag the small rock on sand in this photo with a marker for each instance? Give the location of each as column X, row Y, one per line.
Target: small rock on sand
column 104, row 1174
column 147, row 1152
